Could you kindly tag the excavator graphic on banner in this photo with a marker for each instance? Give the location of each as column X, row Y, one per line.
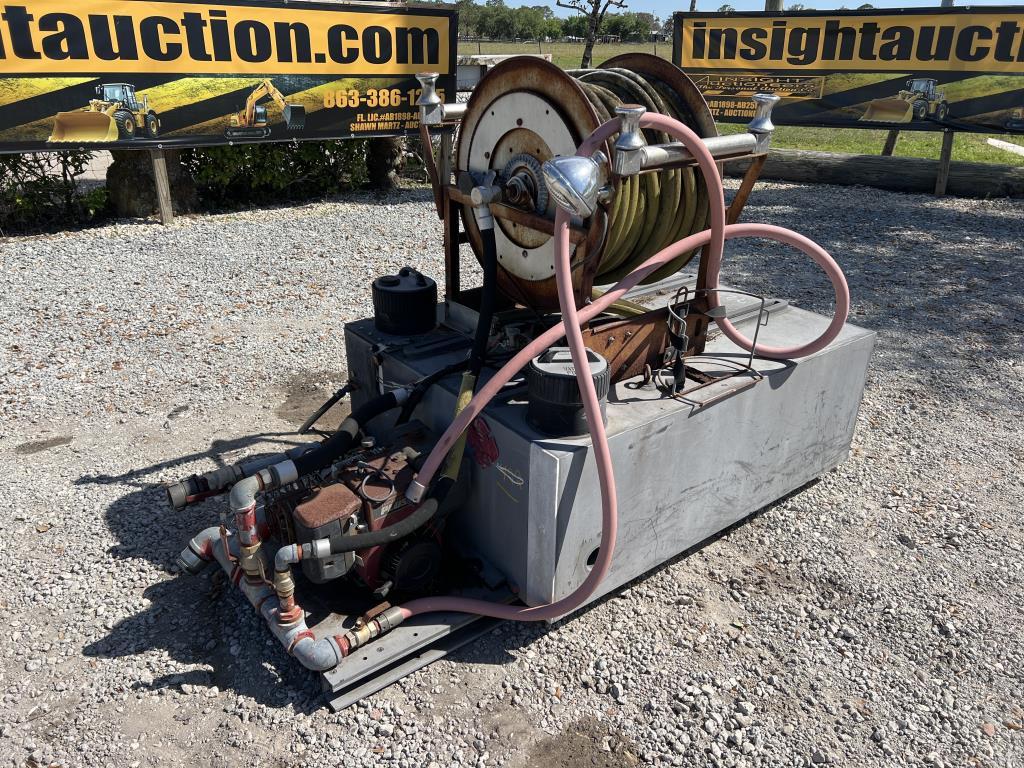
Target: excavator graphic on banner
column 253, row 121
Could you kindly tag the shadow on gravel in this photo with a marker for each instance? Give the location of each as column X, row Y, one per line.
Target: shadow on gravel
column 186, row 617
column 939, row 279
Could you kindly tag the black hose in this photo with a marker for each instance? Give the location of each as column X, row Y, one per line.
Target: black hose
column 340, row 442
column 421, row 387
column 488, row 294
column 426, row 512
column 331, row 402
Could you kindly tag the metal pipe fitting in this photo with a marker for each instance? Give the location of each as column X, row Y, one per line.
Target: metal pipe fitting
column 199, row 553
column 430, row 104
column 198, row 487
column 433, row 111
column 284, row 584
column 243, row 506
column 762, row 126
column 578, row 183
column 762, row 122
column 368, row 630
column 485, row 194
column 750, row 144
column 297, row 639
column 415, row 492
column 627, row 159
column 454, row 112
column 656, row 156
column 317, row 655
column 250, row 561
column 482, row 196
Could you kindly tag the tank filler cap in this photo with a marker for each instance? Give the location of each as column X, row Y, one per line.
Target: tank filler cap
column 405, row 304
column 555, row 402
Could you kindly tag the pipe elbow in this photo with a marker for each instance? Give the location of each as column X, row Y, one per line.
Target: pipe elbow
column 313, row 654
column 317, row 655
column 286, row 556
column 243, row 493
column 200, row 551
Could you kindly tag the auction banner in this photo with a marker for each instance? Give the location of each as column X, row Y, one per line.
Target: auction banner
column 154, row 73
column 915, row 69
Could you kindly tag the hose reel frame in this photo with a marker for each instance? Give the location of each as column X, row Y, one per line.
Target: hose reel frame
column 569, row 102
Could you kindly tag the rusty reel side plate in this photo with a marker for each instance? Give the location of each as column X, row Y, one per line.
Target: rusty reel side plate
column 546, row 88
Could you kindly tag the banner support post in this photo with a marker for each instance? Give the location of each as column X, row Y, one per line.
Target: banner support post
column 890, row 142
column 163, row 186
column 942, row 177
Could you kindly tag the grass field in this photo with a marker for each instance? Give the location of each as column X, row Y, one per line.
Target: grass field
column 866, row 141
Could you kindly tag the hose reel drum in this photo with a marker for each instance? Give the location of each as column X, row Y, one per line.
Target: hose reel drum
column 526, row 111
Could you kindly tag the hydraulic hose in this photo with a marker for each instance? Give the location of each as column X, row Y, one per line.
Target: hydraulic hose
column 717, row 241
column 341, row 441
column 421, row 387
column 714, row 237
column 651, row 210
column 488, row 296
column 483, row 331
column 421, row 516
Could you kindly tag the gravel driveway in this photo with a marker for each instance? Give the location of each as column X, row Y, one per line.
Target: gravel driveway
column 872, row 618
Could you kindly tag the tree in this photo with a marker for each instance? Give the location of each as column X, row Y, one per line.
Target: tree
column 574, row 26
column 469, row 18
column 725, row 9
column 552, row 29
column 496, row 21
column 530, row 22
column 594, row 11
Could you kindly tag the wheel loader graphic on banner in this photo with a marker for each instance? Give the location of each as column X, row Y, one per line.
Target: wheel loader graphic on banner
column 918, row 101
column 116, row 114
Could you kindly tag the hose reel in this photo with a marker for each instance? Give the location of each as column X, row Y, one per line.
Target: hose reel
column 526, row 111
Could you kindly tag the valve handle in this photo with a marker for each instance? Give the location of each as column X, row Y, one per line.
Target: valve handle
column 762, row 122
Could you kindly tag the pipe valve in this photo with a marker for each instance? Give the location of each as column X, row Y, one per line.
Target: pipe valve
column 628, row 159
column 762, row 126
column 430, row 104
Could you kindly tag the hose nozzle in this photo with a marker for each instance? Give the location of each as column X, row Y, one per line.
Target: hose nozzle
column 577, row 183
column 628, row 159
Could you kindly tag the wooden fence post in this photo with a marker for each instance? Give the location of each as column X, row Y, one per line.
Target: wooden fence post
column 942, row 177
column 890, row 143
column 163, row 186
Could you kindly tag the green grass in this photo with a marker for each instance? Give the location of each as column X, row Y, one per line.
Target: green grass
column 858, row 141
column 569, row 55
column 868, row 141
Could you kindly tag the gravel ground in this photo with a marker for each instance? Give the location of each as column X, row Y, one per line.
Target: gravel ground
column 874, row 617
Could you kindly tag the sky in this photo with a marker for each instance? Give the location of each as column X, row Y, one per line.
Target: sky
column 665, row 8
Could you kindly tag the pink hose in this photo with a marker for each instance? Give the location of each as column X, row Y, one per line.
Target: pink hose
column 571, row 322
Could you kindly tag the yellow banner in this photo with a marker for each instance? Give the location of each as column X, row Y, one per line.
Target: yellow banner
column 110, row 36
column 883, row 42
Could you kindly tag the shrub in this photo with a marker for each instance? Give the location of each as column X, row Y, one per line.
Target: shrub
column 41, row 191
column 229, row 177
